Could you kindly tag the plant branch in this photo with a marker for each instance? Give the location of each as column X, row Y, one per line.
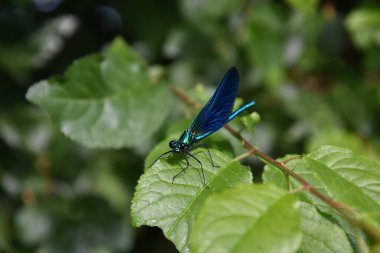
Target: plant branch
column 346, row 211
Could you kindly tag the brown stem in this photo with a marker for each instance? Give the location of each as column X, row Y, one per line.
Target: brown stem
column 346, row 211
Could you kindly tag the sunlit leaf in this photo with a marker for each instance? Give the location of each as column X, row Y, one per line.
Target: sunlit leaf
column 346, row 140
column 249, row 218
column 320, row 234
column 105, row 101
column 364, row 26
column 342, row 175
column 174, row 206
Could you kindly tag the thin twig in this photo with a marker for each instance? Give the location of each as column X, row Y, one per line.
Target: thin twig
column 182, row 95
column 346, row 211
column 244, row 155
column 291, row 159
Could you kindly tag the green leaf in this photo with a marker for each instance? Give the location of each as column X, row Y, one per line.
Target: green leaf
column 174, row 206
column 350, row 178
column 122, row 65
column 105, row 101
column 344, row 139
column 341, row 174
column 364, row 26
column 249, row 218
column 320, row 234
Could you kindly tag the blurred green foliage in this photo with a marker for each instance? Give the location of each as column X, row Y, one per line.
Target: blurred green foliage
column 313, row 68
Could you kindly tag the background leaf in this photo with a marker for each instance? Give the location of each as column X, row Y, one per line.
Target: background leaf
column 363, row 24
column 259, row 218
column 174, row 206
column 96, row 101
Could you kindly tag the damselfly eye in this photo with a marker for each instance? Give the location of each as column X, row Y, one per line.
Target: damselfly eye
column 172, row 144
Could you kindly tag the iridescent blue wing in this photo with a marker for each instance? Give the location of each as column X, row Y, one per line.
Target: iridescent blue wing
column 231, row 117
column 218, row 109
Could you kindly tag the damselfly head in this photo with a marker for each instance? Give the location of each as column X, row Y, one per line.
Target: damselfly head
column 174, row 145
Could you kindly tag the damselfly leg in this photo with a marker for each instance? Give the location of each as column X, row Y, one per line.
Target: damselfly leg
column 188, row 165
column 204, row 145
